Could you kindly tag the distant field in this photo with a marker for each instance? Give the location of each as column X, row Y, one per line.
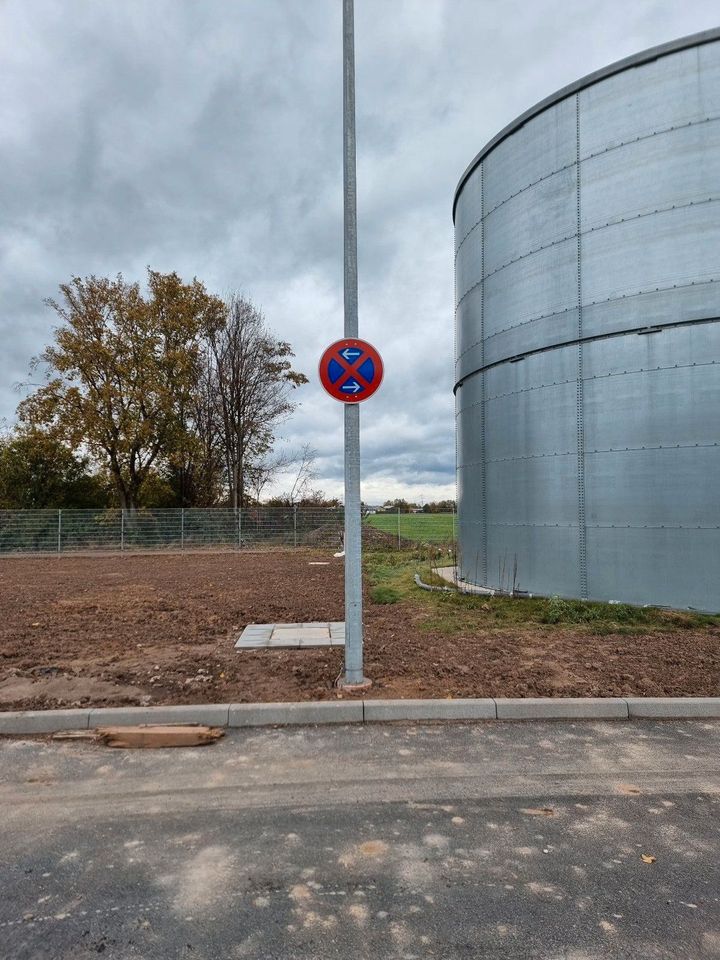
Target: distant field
column 431, row 527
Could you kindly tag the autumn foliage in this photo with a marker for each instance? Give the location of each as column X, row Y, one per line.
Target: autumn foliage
column 170, row 391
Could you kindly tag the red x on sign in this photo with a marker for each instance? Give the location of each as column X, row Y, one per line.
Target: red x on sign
column 351, row 370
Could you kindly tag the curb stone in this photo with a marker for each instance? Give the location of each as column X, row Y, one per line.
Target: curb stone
column 669, row 707
column 320, row 711
column 44, row 721
column 213, row 714
column 29, row 722
column 562, row 708
column 430, row 710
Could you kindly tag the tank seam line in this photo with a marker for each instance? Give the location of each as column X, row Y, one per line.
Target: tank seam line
column 483, row 451
column 568, row 453
column 595, row 376
column 580, row 400
column 632, row 331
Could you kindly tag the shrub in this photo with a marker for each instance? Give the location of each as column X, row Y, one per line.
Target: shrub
column 384, row 594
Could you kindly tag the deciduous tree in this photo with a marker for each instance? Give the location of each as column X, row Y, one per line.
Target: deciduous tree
column 122, row 373
column 254, row 380
column 37, row 471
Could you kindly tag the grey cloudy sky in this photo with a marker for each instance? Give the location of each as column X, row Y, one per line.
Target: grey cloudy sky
column 204, row 136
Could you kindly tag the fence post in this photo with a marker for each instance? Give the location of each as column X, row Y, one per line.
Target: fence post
column 182, row 528
column 239, row 519
column 122, row 528
column 59, row 531
column 398, row 526
column 295, row 524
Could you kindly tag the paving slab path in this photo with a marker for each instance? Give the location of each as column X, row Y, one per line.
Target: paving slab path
column 500, row 840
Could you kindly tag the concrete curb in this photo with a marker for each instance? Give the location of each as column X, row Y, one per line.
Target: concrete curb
column 429, row 710
column 317, row 711
column 44, row 721
column 213, row 714
column 673, row 707
column 28, row 722
column 562, row 708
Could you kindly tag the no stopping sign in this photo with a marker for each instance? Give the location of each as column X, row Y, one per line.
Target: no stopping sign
column 351, row 370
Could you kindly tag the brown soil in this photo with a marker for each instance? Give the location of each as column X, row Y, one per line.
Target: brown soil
column 160, row 629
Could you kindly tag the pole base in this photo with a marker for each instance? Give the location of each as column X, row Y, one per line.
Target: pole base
column 364, row 684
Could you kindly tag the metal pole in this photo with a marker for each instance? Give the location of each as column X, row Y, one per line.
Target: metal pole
column 353, row 543
column 239, row 519
column 398, row 527
column 294, row 524
column 182, row 528
column 122, row 528
column 59, row 530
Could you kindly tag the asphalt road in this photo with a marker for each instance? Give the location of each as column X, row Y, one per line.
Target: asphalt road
column 501, row 840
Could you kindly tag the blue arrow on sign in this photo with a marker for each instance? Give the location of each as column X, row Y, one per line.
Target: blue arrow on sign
column 351, row 386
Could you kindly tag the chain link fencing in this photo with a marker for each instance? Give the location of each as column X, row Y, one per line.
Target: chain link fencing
column 214, row 528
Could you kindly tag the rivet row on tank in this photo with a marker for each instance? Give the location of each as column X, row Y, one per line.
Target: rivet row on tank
column 558, row 313
column 591, row 156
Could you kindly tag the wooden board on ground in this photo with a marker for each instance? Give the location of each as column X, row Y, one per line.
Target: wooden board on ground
column 159, row 735
column 148, row 736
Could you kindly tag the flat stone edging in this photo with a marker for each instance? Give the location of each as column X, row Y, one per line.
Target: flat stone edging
column 366, row 711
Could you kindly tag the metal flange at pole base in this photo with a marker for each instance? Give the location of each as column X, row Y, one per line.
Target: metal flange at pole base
column 361, row 687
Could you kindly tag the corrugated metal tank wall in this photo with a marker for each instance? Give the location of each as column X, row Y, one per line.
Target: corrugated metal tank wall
column 588, row 341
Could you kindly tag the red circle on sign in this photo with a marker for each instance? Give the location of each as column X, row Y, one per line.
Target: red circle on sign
column 351, row 370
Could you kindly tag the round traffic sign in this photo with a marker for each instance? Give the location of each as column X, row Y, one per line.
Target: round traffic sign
column 351, row 370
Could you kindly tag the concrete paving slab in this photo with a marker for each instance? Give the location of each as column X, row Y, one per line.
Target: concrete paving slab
column 324, row 711
column 292, row 635
column 301, row 633
column 255, row 635
column 213, row 714
column 669, row 707
column 561, row 708
column 43, row 721
column 475, row 709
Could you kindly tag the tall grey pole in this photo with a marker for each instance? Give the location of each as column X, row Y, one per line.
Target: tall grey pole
column 353, row 542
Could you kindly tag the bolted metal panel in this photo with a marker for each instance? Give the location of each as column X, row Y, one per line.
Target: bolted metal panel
column 540, row 285
column 537, row 150
column 644, row 255
column 539, row 217
column 542, row 556
column 471, row 214
column 536, row 334
column 671, row 168
column 668, row 567
column 668, row 92
column 588, row 340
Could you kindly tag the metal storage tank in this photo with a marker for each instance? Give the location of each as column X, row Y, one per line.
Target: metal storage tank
column 587, row 265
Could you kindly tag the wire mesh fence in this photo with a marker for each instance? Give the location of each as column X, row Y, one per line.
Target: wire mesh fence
column 65, row 531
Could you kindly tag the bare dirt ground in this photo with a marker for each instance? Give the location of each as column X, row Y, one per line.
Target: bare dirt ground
column 153, row 629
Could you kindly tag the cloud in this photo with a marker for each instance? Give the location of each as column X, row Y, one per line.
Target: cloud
column 206, row 138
